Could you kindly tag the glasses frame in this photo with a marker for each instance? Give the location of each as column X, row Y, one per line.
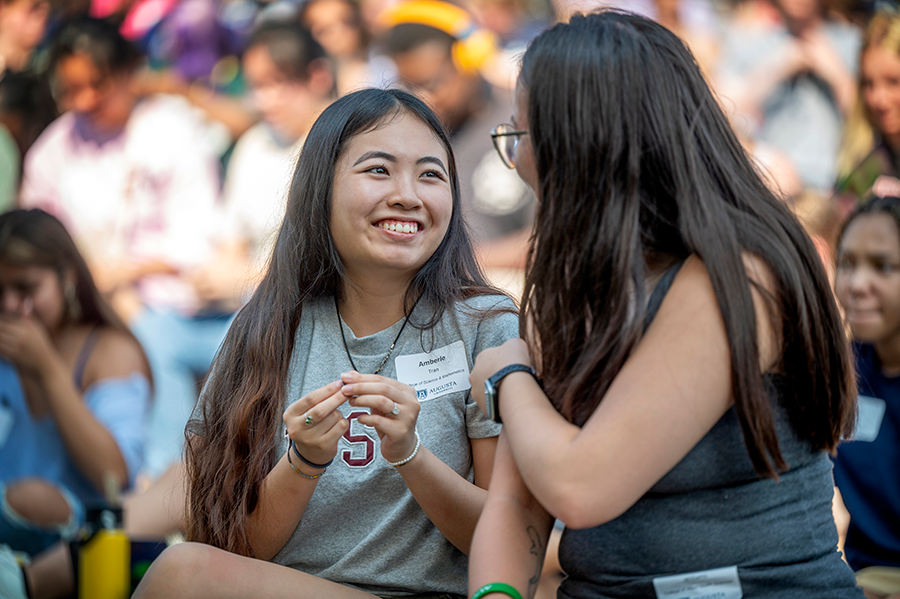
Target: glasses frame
column 505, row 156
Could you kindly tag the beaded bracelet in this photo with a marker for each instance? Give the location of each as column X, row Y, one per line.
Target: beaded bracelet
column 411, row 456
column 298, row 471
column 497, row 587
column 307, row 462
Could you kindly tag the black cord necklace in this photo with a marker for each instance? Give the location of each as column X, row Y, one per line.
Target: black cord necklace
column 393, row 343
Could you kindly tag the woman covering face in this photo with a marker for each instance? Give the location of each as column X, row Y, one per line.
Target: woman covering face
column 75, row 388
column 337, row 440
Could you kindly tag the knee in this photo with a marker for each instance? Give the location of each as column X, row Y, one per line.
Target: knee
column 39, row 502
column 180, row 571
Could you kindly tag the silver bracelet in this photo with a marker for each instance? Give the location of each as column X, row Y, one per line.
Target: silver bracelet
column 411, row 456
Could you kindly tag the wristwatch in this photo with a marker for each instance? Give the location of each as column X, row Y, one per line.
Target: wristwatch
column 492, row 388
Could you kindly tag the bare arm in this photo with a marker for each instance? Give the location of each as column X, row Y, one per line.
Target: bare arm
column 451, row 502
column 825, row 61
column 511, row 539
column 229, row 111
column 285, row 493
column 645, row 424
column 841, row 520
column 90, row 444
column 93, row 447
column 159, row 510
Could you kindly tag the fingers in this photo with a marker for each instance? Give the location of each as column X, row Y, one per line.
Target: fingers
column 316, row 405
column 384, row 396
column 315, row 424
column 318, row 442
column 393, row 408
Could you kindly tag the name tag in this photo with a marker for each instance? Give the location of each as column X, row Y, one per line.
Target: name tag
column 436, row 373
column 722, row 583
column 869, row 417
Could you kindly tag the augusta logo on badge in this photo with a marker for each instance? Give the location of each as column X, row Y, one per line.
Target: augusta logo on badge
column 422, row 394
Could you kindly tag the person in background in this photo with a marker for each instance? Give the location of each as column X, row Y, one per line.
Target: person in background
column 192, row 51
column 26, row 108
column 22, row 27
column 339, row 27
column 683, row 371
column 438, row 52
column 703, row 40
column 136, row 184
column 869, row 163
column 74, row 394
column 866, row 465
column 336, row 451
column 790, row 85
column 290, row 82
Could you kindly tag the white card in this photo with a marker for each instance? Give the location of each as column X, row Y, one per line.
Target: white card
column 6, row 421
column 436, row 373
column 722, row 583
column 869, row 417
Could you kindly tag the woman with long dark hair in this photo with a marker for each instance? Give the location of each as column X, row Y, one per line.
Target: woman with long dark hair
column 74, row 391
column 693, row 368
column 357, row 343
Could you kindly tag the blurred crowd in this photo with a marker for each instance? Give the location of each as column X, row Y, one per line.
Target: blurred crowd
column 163, row 133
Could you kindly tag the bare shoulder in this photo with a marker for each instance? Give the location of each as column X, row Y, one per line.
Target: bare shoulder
column 763, row 289
column 759, row 272
column 117, row 354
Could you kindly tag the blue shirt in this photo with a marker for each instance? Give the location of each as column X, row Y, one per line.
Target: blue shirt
column 33, row 447
column 867, row 469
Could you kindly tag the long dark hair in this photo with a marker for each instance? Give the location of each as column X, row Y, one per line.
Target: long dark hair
column 635, row 158
column 36, row 238
column 233, row 445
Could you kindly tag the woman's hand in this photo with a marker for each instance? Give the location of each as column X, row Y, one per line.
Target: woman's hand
column 315, row 424
column 393, row 407
column 488, row 362
column 24, row 342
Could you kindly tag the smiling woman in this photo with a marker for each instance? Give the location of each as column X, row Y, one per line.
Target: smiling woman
column 391, row 201
column 358, row 342
column 868, row 162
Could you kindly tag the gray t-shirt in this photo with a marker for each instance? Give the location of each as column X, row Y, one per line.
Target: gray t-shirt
column 362, row 526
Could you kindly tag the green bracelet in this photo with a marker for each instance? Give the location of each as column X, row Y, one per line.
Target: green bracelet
column 497, row 587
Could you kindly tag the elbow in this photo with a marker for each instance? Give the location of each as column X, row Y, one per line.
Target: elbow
column 578, row 517
column 585, row 508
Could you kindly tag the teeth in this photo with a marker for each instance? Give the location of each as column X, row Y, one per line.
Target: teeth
column 400, row 227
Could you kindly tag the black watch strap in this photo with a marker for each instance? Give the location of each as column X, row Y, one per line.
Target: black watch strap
column 498, row 376
column 492, row 391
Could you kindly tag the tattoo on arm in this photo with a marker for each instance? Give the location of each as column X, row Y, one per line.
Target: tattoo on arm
column 537, row 550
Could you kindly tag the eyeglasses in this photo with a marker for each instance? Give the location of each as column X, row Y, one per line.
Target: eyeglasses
column 506, row 138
